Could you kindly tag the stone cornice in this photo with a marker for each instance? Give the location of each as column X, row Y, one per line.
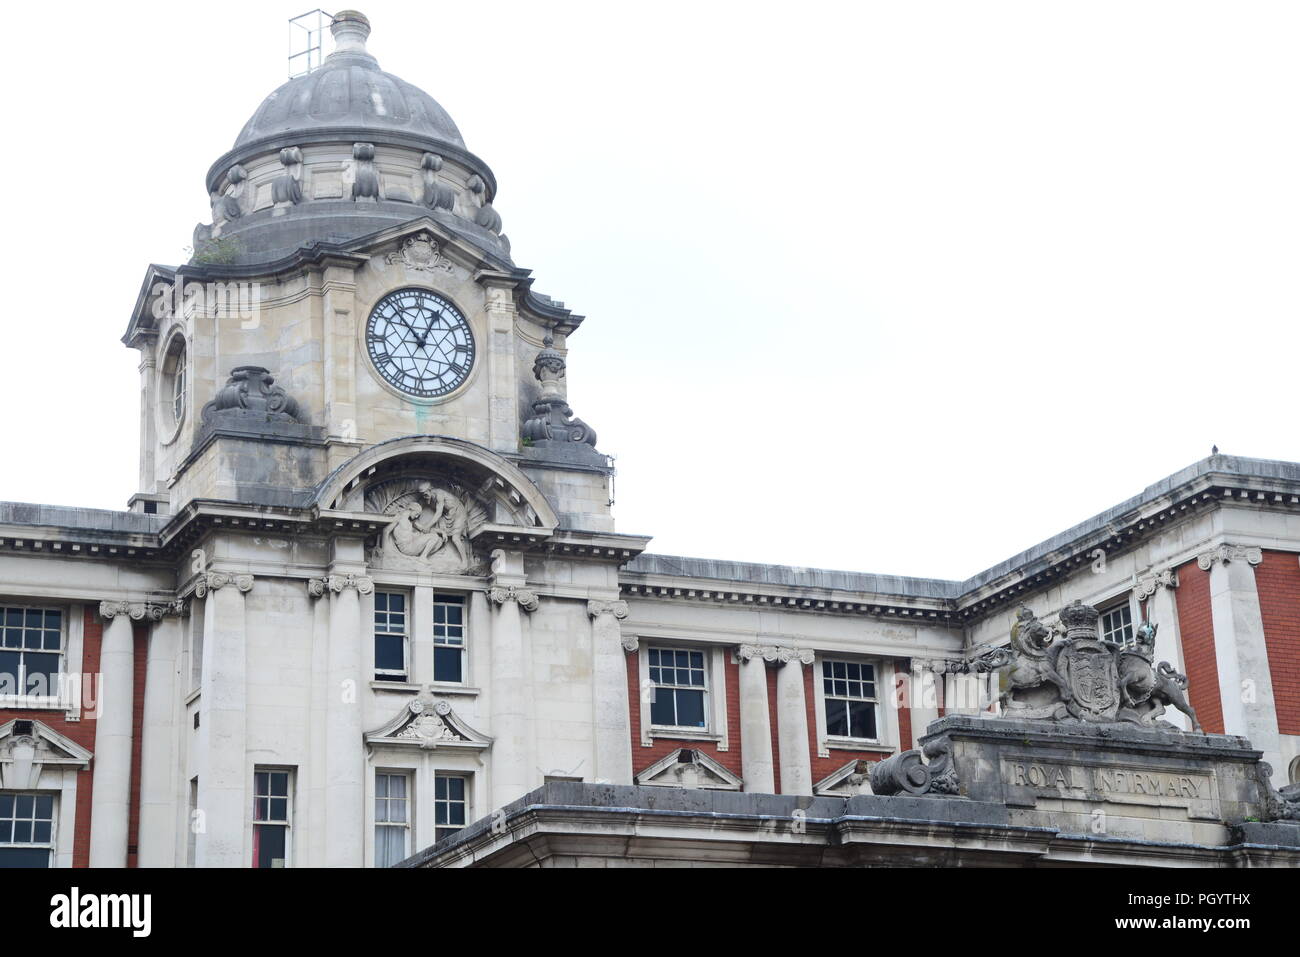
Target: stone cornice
column 1226, row 553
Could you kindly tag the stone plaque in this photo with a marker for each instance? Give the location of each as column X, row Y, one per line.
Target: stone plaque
column 1028, row 778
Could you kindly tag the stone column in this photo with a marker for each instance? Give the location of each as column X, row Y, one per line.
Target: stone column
column 148, row 399
column 612, row 728
column 225, row 777
column 345, row 760
column 1157, row 590
column 511, row 731
column 755, row 722
column 792, row 722
column 1245, row 678
column 111, row 797
column 158, row 757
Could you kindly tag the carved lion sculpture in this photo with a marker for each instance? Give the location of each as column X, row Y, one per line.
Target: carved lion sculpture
column 1031, row 667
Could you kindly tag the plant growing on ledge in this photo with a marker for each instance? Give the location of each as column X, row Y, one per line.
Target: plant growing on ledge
column 217, row 252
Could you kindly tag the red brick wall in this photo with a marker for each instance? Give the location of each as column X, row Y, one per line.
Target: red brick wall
column 643, row 757
column 1196, row 629
column 1278, row 581
column 82, row 732
column 774, row 727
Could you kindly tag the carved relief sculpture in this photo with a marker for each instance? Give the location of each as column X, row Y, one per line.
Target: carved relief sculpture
column 436, row 195
column 432, row 526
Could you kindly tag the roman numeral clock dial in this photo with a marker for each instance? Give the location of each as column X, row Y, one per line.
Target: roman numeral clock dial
column 420, row 343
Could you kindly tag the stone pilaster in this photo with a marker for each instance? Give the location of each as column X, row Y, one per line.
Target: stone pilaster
column 1157, row 590
column 111, row 796
column 755, row 721
column 1245, row 678
column 612, row 725
column 792, row 722
column 510, row 711
column 223, row 769
column 344, row 745
column 159, row 787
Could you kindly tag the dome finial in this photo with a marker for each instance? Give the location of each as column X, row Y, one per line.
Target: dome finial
column 350, row 29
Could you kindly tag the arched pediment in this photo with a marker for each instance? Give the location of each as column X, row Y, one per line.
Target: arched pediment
column 508, row 494
column 441, row 494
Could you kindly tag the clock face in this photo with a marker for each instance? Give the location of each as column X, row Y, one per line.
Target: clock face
column 420, row 343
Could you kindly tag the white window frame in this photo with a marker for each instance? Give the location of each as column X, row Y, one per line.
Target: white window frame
column 67, row 693
column 468, row 778
column 287, row 822
column 408, row 827
column 53, row 844
column 1124, row 605
column 386, row 676
column 715, row 693
column 435, row 644
column 887, row 730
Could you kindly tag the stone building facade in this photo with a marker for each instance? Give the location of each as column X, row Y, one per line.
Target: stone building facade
column 370, row 587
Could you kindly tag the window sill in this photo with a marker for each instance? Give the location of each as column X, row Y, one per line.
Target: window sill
column 856, row 744
column 20, row 702
column 685, row 734
column 443, row 688
column 401, row 687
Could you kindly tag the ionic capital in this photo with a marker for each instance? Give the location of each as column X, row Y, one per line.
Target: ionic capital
column 1148, row 584
column 1226, row 553
column 215, row 581
column 138, row 610
column 319, row 587
column 527, row 599
column 781, row 654
column 616, row 608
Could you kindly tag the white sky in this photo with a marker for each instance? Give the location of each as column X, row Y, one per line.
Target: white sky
column 892, row 287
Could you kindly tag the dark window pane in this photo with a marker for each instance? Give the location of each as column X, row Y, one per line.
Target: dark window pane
column 446, row 832
column 42, row 673
column 837, row 718
column 390, row 653
column 9, row 672
column 862, row 719
column 440, row 788
column 690, row 709
column 24, row 857
column 6, row 805
column 45, row 805
column 24, row 805
column 447, row 664
column 271, row 841
column 280, row 784
column 22, row 832
column 41, row 832
column 661, row 708
column 456, row 789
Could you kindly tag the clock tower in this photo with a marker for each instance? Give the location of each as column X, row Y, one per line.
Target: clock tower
column 386, row 527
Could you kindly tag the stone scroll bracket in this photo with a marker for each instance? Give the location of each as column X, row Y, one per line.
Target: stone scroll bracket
column 526, row 598
column 1227, row 553
column 775, row 654
column 215, row 581
column 320, row 587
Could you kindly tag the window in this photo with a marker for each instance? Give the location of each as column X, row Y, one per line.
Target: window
column 450, row 804
column 178, row 389
column 1117, row 625
column 392, row 819
column 271, row 822
column 26, row 829
column 31, row 650
column 390, row 636
column 849, row 689
column 677, row 675
column 449, row 638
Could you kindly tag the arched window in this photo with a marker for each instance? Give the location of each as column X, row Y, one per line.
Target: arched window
column 173, row 388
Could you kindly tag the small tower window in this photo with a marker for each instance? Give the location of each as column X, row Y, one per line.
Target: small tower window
column 178, row 389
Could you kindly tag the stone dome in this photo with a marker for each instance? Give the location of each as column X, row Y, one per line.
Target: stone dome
column 343, row 152
column 349, row 90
